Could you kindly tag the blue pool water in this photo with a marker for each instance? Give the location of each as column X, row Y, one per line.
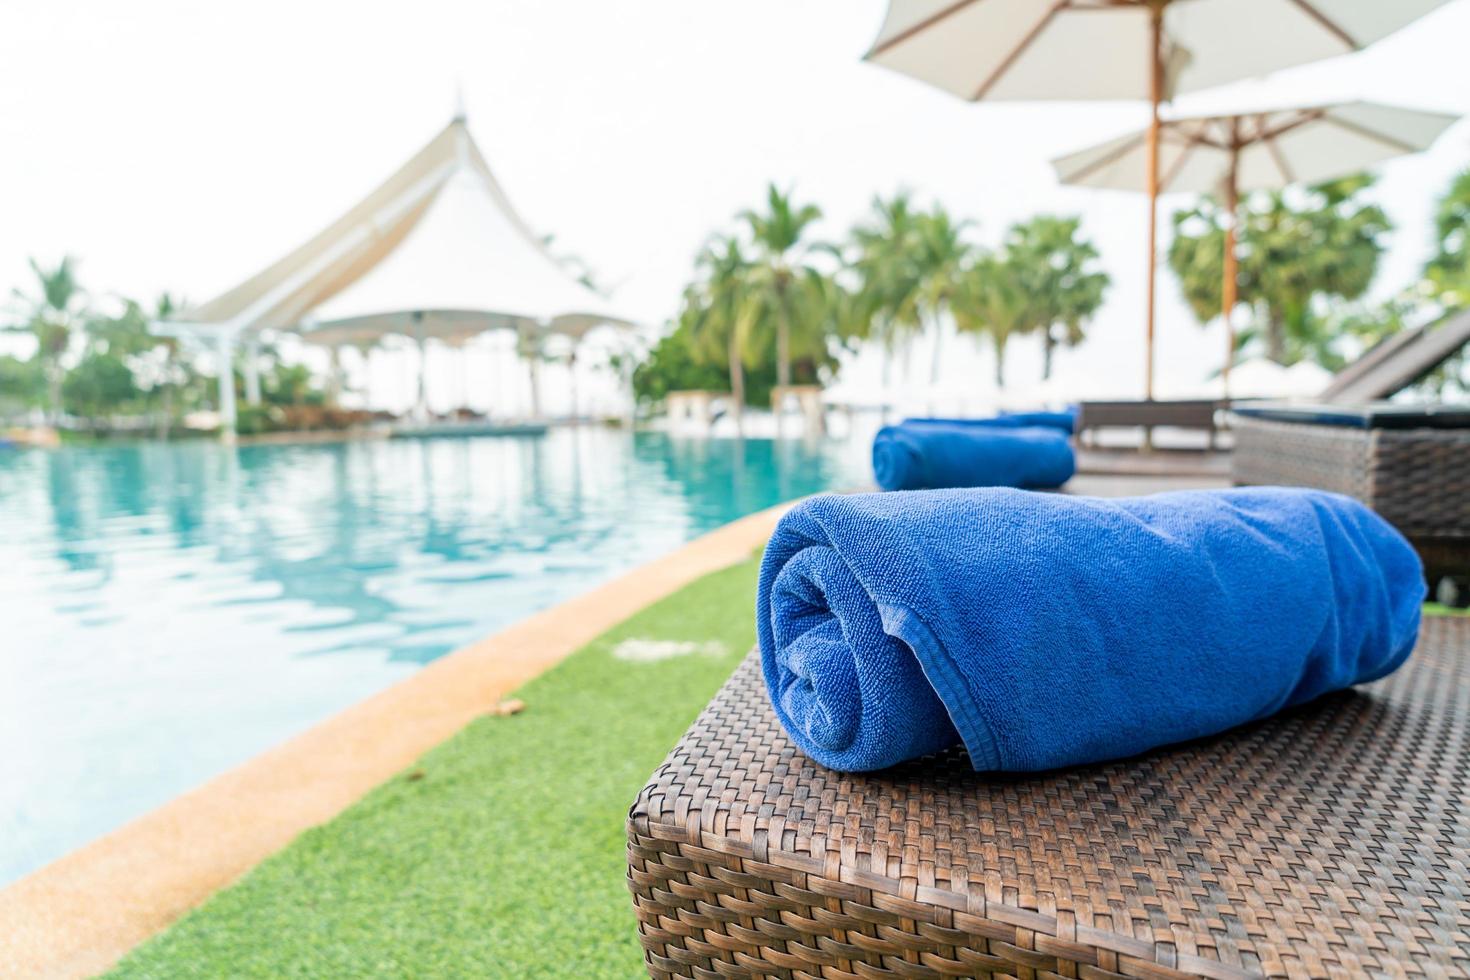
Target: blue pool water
column 169, row 611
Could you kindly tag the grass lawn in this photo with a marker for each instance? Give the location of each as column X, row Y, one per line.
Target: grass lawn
column 501, row 852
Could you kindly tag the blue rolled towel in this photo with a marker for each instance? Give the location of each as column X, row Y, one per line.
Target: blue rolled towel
column 1045, row 630
column 931, row 455
column 1065, row 420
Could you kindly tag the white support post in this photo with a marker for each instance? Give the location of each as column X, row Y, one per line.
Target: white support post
column 572, row 380
column 251, row 368
column 225, row 356
column 334, row 375
column 534, row 363
column 421, row 406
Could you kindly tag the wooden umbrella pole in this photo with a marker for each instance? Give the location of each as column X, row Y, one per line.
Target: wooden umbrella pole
column 1156, row 96
column 1228, row 288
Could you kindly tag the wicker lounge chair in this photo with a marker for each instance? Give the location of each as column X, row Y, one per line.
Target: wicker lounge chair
column 1333, row 840
column 1411, row 464
column 1398, row 361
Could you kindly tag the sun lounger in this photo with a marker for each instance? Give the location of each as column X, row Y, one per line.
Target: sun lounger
column 1398, row 361
column 1330, row 840
column 1148, row 415
column 1409, row 463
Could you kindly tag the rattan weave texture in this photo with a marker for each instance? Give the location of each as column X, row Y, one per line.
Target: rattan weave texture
column 1418, row 479
column 1333, row 840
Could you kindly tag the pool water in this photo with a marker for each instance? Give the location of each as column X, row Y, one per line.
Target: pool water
column 170, row 610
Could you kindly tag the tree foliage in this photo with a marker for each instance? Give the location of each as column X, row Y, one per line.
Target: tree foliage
column 1297, row 251
column 22, row 385
column 909, row 265
column 52, row 315
column 778, row 271
column 1042, row 281
column 728, row 322
column 100, row 384
column 1448, row 271
column 1058, row 272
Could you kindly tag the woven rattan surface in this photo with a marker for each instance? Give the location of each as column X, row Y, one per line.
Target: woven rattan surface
column 1333, row 840
column 1419, row 479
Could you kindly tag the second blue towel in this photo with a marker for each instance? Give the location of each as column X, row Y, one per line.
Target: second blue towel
column 928, row 454
column 1045, row 630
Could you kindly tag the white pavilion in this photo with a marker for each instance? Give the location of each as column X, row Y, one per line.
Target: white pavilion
column 435, row 252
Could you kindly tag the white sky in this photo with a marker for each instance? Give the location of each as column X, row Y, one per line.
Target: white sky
column 184, row 145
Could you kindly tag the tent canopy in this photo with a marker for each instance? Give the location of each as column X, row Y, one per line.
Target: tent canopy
column 436, row 244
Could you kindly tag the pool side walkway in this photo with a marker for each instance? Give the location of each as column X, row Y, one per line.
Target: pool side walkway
column 80, row 914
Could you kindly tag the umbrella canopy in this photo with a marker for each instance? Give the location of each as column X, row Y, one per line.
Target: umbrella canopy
column 1102, row 49
column 1261, row 150
column 1122, row 49
column 1267, row 149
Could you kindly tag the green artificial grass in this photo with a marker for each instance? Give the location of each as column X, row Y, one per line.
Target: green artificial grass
column 501, row 852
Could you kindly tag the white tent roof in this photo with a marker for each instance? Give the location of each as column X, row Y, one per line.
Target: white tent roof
column 435, row 250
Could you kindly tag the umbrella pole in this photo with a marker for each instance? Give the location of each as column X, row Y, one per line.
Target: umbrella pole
column 1230, row 285
column 1156, row 96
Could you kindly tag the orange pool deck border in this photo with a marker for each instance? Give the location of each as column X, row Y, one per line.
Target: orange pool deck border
column 79, row 915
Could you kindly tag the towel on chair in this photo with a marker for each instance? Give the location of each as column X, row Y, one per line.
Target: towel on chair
column 1044, row 630
column 1063, row 420
column 932, row 454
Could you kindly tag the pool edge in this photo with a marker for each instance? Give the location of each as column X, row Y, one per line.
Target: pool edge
column 80, row 914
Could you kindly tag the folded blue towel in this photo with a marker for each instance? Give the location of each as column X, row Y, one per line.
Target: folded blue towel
column 1044, row 630
column 930, row 454
column 1065, row 420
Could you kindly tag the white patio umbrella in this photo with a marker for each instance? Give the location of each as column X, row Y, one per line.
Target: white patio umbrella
column 1241, row 152
column 1122, row 49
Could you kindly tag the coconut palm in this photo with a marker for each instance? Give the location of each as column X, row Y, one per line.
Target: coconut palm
column 908, row 265
column 992, row 298
column 1064, row 288
column 886, row 297
column 53, row 316
column 1295, row 251
column 1448, row 271
column 783, row 255
column 723, row 312
column 940, row 253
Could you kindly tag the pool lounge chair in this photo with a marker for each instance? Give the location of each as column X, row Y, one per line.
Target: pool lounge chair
column 1411, row 463
column 1200, row 414
column 1327, row 841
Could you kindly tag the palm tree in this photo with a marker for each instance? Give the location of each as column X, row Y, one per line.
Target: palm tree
column 723, row 312
column 1295, row 251
column 993, row 298
column 940, row 255
column 1065, row 291
column 1448, row 271
column 908, row 266
column 52, row 316
column 887, row 293
column 783, row 257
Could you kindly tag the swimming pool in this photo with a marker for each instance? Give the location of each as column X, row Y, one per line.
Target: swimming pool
column 170, row 610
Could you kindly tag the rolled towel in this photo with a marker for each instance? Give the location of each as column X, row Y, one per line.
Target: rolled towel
column 932, row 455
column 1045, row 630
column 1066, row 420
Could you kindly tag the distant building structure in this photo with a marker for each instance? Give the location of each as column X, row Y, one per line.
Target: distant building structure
column 436, row 252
